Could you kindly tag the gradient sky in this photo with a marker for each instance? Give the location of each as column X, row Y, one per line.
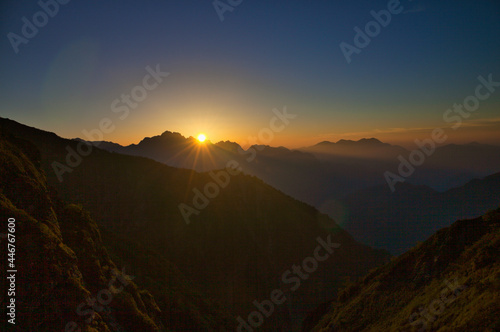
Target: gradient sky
column 227, row 76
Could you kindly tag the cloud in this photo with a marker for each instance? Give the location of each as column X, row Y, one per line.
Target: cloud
column 374, row 132
column 486, row 123
column 482, row 122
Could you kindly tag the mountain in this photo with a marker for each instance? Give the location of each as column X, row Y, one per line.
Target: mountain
column 59, row 260
column 396, row 221
column 327, row 171
column 346, row 181
column 450, row 282
column 176, row 150
column 365, row 148
column 238, row 242
column 443, row 167
column 454, row 165
column 86, row 257
column 288, row 170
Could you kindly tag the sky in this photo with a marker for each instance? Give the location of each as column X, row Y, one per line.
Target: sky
column 226, row 76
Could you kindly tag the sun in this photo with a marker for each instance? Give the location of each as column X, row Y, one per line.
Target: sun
column 202, row 138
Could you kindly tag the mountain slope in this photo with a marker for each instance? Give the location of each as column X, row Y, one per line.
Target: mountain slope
column 61, row 263
column 451, row 282
column 235, row 250
column 85, row 262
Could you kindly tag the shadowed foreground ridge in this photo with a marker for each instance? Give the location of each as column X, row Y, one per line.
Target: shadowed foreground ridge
column 451, row 282
column 63, row 265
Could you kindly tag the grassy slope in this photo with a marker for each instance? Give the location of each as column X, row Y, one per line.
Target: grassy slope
column 466, row 252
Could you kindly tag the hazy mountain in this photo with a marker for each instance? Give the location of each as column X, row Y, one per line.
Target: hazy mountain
column 240, row 247
column 333, row 170
column 450, row 282
column 444, row 167
column 346, row 180
column 454, row 165
column 365, row 148
column 396, row 221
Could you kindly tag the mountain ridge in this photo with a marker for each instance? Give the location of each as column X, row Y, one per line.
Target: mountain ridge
column 250, row 228
column 449, row 282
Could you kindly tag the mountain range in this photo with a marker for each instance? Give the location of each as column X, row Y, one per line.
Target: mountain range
column 346, row 181
column 244, row 244
column 348, row 165
column 68, row 275
column 219, row 262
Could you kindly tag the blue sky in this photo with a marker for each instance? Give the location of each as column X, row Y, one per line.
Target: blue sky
column 227, row 76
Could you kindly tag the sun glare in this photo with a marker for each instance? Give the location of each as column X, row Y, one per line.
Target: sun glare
column 202, row 138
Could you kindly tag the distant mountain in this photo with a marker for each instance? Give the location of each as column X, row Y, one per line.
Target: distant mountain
column 279, row 167
column 454, row 165
column 446, row 167
column 365, row 148
column 299, row 173
column 450, row 282
column 396, row 221
column 332, row 170
column 176, row 150
column 236, row 249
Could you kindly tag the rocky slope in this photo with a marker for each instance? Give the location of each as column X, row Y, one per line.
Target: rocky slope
column 451, row 282
column 66, row 279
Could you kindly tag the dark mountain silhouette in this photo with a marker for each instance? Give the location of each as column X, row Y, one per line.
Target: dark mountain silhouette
column 448, row 283
column 236, row 250
column 176, row 150
column 288, row 170
column 60, row 259
column 396, row 221
column 332, row 170
column 346, row 180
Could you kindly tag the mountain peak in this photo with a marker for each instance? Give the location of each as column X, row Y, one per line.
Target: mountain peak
column 370, row 140
column 361, row 141
column 228, row 145
column 168, row 133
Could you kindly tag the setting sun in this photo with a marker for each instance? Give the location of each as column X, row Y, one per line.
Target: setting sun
column 202, row 138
